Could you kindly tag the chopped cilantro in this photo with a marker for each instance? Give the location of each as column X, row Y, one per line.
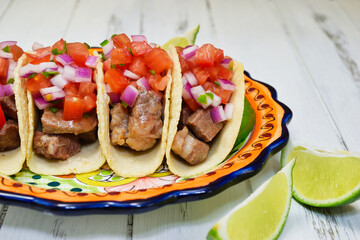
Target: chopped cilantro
column 53, row 109
column 32, row 75
column 56, row 51
column 86, row 115
column 51, row 60
column 152, row 72
column 124, row 104
column 103, row 56
column 88, row 46
column 210, row 94
column 202, row 99
column 11, row 80
column 217, row 83
column 49, row 74
column 113, row 66
column 65, row 47
column 113, row 35
column 130, row 51
column 6, row 49
column 104, row 43
column 57, row 101
column 121, row 65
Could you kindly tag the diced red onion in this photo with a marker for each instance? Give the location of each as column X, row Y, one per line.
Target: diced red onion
column 8, row 89
column 129, row 95
column 108, row 88
column 4, row 54
column 191, row 78
column 153, row 45
column 226, row 84
column 216, row 101
column 2, row 92
column 48, row 90
column 91, row 61
column 185, row 80
column 186, row 91
column 229, row 109
column 138, row 38
column 41, row 103
column 47, row 65
column 52, row 93
column 10, row 74
column 60, row 69
column 69, row 73
column 36, row 46
column 208, row 101
column 131, row 75
column 197, row 91
column 83, row 74
column 217, row 114
column 64, row 59
column 108, row 47
column 226, row 62
column 59, row 81
column 29, row 69
column 7, row 43
column 114, row 97
column 142, row 82
column 3, row 45
column 189, row 51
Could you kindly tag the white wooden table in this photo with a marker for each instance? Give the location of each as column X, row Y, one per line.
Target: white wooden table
column 308, row 50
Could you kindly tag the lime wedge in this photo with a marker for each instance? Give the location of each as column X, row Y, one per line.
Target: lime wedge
column 323, row 178
column 262, row 215
column 183, row 41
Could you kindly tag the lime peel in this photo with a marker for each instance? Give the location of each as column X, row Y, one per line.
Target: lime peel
column 183, row 41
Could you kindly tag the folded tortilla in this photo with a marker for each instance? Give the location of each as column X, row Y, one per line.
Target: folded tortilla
column 123, row 161
column 12, row 161
column 90, row 158
column 221, row 146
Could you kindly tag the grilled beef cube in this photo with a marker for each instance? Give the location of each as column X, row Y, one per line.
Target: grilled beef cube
column 54, row 123
column 88, row 137
column 56, row 146
column 145, row 124
column 9, row 136
column 201, row 124
column 184, row 116
column 8, row 105
column 189, row 147
column 119, row 124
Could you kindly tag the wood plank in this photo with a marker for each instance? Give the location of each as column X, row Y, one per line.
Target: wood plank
column 3, row 8
column 352, row 9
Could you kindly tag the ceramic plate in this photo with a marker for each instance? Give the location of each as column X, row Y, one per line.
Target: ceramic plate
column 102, row 191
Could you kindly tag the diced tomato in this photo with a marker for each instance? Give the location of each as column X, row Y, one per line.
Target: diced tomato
column 79, row 52
column 71, row 89
column 2, row 118
column 120, row 56
column 185, row 65
column 224, row 94
column 59, row 45
column 4, row 67
column 201, row 74
column 89, row 102
column 38, row 53
column 138, row 66
column 192, row 104
column 219, row 71
column 117, row 81
column 16, row 52
column 38, row 82
column 162, row 83
column 121, row 40
column 107, row 65
column 73, row 108
column 208, row 56
column 41, row 59
column 152, row 80
column 158, row 60
column 86, row 88
column 139, row 48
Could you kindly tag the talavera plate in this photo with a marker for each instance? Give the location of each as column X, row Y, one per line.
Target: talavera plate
column 103, row 192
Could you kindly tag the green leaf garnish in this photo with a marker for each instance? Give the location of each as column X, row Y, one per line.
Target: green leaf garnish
column 49, row 74
column 113, row 35
column 113, row 66
column 104, row 43
column 202, row 99
column 57, row 101
column 56, row 51
column 6, row 49
column 217, row 83
column 130, row 51
column 86, row 115
column 32, row 75
column 125, row 105
column 65, row 47
column 121, row 65
column 103, row 56
column 88, row 46
column 53, row 109
column 152, row 72
column 11, row 80
column 211, row 95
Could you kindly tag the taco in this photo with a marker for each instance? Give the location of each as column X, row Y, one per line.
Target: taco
column 61, row 83
column 207, row 102
column 13, row 113
column 135, row 106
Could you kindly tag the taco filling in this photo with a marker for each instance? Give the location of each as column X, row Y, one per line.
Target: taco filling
column 9, row 130
column 206, row 95
column 136, row 75
column 60, row 80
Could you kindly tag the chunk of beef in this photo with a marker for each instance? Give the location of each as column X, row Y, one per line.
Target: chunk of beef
column 118, row 124
column 145, row 124
column 88, row 137
column 189, row 147
column 201, row 124
column 184, row 116
column 54, row 123
column 8, row 105
column 9, row 136
column 56, row 146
